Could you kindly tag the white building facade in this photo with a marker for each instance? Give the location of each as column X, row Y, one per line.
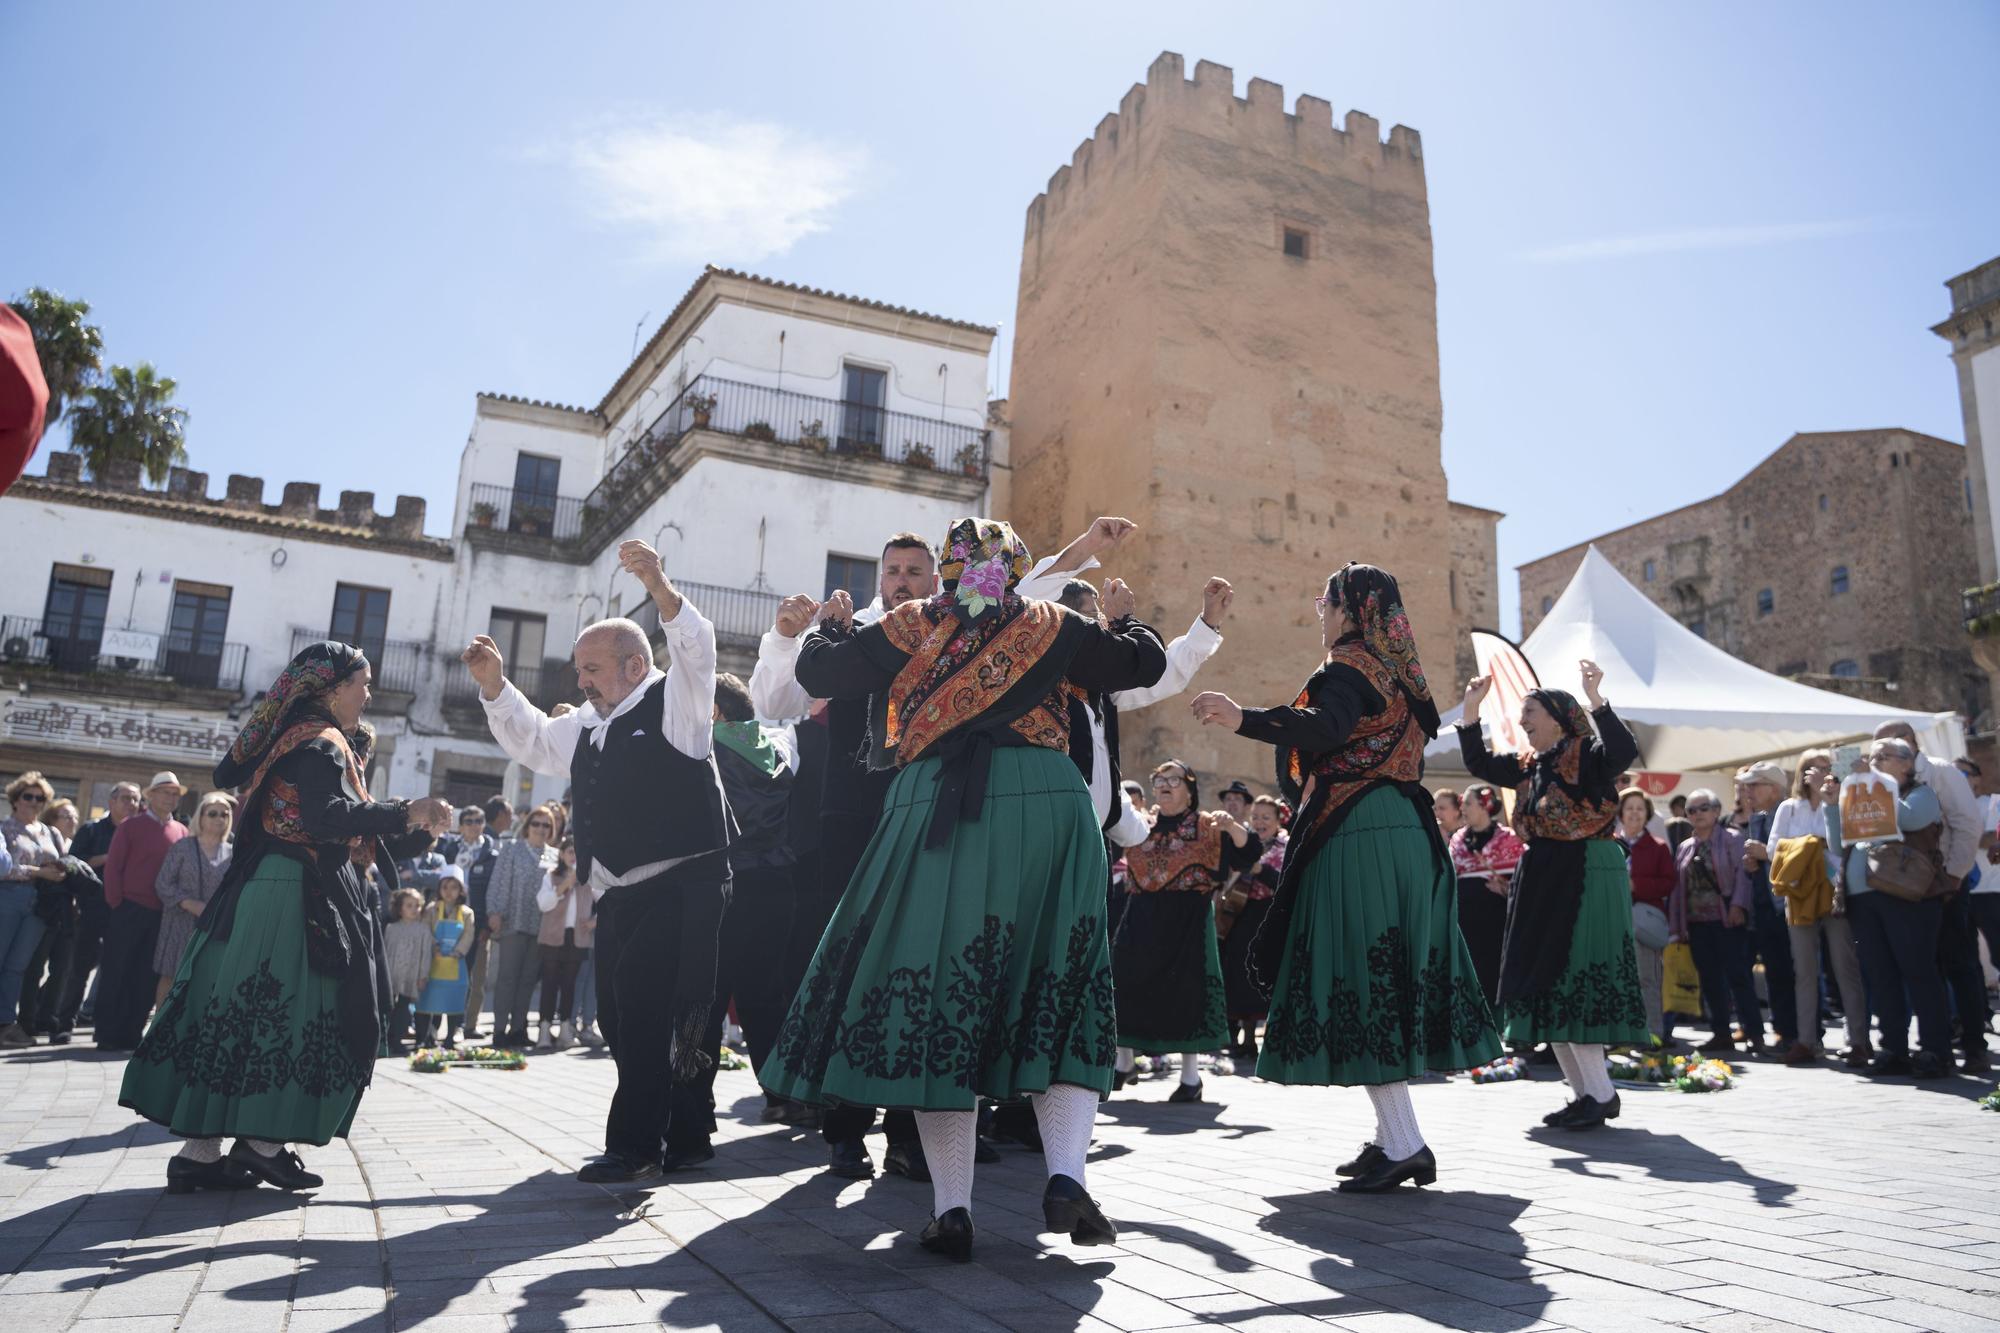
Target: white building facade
column 1975, row 353
column 767, row 440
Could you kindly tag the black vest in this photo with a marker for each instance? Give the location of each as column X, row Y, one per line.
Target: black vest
column 640, row 800
column 1080, row 748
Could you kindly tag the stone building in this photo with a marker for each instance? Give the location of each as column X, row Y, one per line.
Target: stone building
column 1975, row 354
column 1227, row 331
column 1839, row 561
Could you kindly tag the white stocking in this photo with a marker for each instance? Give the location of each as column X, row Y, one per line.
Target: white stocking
column 1566, row 1057
column 1066, row 1114
column 201, row 1150
column 1124, row 1059
column 1191, row 1069
column 1590, row 1068
column 1396, row 1131
column 264, row 1147
column 950, row 1138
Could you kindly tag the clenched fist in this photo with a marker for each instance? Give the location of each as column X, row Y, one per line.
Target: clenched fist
column 482, row 658
column 794, row 614
column 1118, row 600
column 1215, row 600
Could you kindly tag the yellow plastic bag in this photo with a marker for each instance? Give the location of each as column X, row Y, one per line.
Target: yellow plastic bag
column 1680, row 989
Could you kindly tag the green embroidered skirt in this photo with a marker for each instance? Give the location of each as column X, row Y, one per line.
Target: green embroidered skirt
column 1376, row 985
column 1597, row 999
column 248, row 1041
column 975, row 969
column 1167, row 971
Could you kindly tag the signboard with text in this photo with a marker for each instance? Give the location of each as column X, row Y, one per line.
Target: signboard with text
column 135, row 731
column 132, row 643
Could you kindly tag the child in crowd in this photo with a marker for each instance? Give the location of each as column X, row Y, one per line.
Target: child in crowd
column 407, row 949
column 450, row 923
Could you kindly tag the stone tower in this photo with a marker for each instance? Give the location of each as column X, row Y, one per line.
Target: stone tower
column 1228, row 332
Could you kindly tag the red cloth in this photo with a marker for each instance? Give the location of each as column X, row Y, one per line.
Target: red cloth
column 24, row 396
column 137, row 850
column 1653, row 872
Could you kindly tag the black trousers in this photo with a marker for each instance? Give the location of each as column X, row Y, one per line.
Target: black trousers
column 1897, row 941
column 125, row 996
column 1722, row 959
column 656, row 944
column 39, row 994
column 80, row 959
column 752, row 938
column 1958, row 959
column 1774, row 949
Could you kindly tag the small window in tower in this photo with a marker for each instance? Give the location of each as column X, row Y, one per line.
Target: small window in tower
column 1296, row 243
column 1846, row 668
column 1839, row 580
column 1766, row 602
column 1822, row 504
column 1895, row 460
column 1647, row 571
column 1547, row 602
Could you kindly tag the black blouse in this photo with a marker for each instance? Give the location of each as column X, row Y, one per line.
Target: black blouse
column 1337, row 698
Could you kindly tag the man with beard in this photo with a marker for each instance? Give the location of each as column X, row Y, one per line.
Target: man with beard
column 652, row 834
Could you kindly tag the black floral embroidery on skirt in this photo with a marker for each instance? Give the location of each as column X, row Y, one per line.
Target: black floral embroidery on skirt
column 241, row 1045
column 1596, row 995
column 1430, row 1013
column 906, row 1026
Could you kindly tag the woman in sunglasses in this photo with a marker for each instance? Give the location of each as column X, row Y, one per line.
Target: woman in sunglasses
column 1568, row 973
column 34, row 853
column 1371, row 983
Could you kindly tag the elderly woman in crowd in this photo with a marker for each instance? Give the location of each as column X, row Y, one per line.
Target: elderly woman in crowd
column 1484, row 856
column 1710, row 910
column 516, row 924
column 1808, row 924
column 1897, row 936
column 35, row 851
column 1653, row 877
column 188, row 878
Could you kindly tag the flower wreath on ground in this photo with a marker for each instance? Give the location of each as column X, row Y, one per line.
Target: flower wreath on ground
column 437, row 1059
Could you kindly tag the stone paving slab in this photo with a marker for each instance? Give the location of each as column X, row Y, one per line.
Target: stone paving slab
column 1803, row 1199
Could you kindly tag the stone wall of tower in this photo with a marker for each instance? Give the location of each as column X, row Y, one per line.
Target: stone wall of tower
column 1261, row 415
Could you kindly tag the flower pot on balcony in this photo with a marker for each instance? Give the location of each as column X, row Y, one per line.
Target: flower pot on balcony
column 483, row 514
column 760, row 430
column 969, row 460
column 918, row 455
column 812, row 435
column 701, row 418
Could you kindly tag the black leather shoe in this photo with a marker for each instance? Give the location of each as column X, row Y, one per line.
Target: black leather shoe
column 1889, row 1063
column 1185, row 1093
column 185, row 1176
column 907, row 1160
column 686, row 1159
column 1123, row 1078
column 1928, row 1064
column 1370, row 1154
column 1421, row 1166
column 1556, row 1117
column 60, row 1037
column 849, row 1161
column 282, row 1168
column 950, row 1235
column 1716, row 1045
column 1067, row 1208
column 1975, row 1062
column 1589, row 1113
column 613, row 1169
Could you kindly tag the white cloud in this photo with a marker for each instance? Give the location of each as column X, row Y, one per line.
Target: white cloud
column 1696, row 238
column 713, row 188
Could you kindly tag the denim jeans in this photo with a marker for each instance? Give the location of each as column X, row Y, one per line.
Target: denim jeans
column 1722, row 957
column 20, row 931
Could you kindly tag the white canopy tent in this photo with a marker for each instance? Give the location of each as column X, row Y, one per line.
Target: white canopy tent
column 1693, row 707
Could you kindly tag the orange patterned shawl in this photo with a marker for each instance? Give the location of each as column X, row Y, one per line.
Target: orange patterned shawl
column 958, row 671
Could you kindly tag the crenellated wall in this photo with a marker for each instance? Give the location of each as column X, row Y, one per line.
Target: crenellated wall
column 1263, row 415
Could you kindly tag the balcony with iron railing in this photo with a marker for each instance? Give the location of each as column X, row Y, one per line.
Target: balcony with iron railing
column 824, row 428
column 502, row 511
column 546, row 684
column 740, row 615
column 396, row 664
column 68, row 649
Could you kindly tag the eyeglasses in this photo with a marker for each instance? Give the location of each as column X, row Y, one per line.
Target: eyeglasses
column 215, row 814
column 1702, row 809
column 1168, row 784
column 540, row 824
column 1322, row 603
column 33, row 798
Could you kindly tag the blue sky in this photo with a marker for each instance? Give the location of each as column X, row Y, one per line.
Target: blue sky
column 1666, row 237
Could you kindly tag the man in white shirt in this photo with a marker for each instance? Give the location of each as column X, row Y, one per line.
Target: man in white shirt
column 1958, row 946
column 652, row 832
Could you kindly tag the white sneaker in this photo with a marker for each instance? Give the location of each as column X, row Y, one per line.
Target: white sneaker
column 590, row 1035
column 545, row 1042
column 565, row 1035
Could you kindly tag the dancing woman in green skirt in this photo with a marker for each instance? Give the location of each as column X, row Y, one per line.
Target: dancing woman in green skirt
column 967, row 958
column 271, row 1027
column 1370, row 982
column 1568, row 975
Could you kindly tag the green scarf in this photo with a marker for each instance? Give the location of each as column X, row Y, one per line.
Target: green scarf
column 749, row 740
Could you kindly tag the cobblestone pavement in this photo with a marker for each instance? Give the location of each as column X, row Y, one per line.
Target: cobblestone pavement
column 1804, row 1198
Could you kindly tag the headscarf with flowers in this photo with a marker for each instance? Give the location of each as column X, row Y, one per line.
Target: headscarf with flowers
column 1375, row 605
column 984, row 561
column 300, row 689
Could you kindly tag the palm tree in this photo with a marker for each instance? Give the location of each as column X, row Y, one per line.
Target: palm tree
column 130, row 414
column 71, row 350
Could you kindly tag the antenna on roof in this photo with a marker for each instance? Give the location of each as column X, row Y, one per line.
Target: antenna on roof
column 635, row 335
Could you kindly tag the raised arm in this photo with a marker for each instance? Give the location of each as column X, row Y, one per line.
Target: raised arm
column 690, row 642
column 775, row 691
column 529, row 736
column 1502, row 770
column 1125, row 655
column 1186, row 654
column 1337, row 698
column 837, row 661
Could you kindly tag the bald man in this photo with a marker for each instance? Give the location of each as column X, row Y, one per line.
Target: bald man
column 652, row 834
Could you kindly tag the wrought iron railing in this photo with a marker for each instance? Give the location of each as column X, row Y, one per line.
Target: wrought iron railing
column 740, row 615
column 397, row 664
column 186, row 659
column 794, row 420
column 550, row 683
column 525, row 513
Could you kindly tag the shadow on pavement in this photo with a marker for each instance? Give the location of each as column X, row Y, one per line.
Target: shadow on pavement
column 1662, row 1156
